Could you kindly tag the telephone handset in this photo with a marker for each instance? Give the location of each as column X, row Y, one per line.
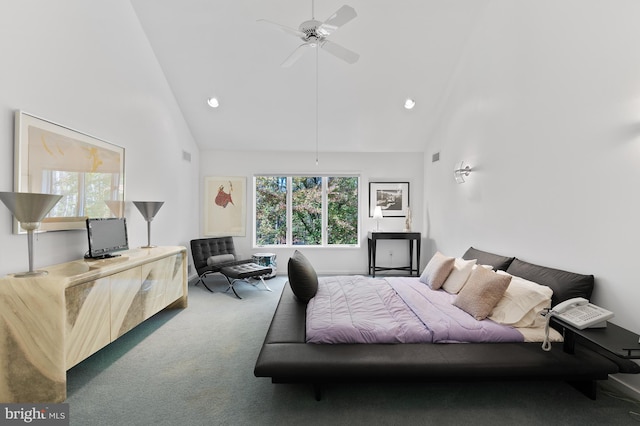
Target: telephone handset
column 581, row 314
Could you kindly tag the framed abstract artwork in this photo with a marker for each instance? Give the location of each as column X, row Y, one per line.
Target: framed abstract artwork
column 392, row 197
column 88, row 172
column 225, row 206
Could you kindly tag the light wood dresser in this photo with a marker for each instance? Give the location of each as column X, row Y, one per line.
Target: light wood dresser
column 51, row 323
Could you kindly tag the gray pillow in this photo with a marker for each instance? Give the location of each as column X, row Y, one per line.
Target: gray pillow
column 220, row 258
column 565, row 285
column 485, row 258
column 302, row 277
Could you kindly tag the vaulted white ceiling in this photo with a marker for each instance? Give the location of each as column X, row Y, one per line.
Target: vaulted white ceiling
column 408, row 48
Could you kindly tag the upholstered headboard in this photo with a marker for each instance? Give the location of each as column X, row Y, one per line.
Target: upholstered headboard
column 485, row 258
column 565, row 285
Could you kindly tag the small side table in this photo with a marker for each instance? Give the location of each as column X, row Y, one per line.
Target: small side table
column 413, row 237
column 612, row 339
column 268, row 260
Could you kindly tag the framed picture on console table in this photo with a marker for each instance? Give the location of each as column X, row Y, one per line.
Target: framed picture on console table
column 53, row 159
column 392, row 197
column 225, row 206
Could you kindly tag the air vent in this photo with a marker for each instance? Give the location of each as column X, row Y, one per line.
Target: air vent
column 435, row 157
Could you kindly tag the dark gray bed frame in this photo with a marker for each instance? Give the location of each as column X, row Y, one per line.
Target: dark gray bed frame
column 285, row 357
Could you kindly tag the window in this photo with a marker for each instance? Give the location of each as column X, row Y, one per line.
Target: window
column 271, row 210
column 306, row 210
column 342, row 210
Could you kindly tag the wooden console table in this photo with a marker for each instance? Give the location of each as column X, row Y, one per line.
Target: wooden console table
column 50, row 323
column 372, row 241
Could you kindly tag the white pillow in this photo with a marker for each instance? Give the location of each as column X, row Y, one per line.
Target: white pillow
column 459, row 275
column 522, row 303
column 437, row 270
column 490, row 267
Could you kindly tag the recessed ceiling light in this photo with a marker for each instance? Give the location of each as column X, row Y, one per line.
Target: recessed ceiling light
column 213, row 102
column 409, row 103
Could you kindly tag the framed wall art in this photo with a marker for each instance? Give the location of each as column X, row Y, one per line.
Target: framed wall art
column 88, row 172
column 225, row 206
column 392, row 197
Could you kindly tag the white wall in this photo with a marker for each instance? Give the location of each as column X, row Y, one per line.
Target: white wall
column 545, row 105
column 89, row 66
column 372, row 167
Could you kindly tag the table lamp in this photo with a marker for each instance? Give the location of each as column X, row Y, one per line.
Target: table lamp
column 29, row 209
column 377, row 215
column 148, row 210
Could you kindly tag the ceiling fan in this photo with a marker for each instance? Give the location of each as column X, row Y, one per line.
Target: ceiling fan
column 314, row 33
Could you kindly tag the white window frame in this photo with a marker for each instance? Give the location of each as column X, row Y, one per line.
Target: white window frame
column 324, row 214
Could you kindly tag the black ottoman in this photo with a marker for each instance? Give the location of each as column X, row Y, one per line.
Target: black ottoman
column 244, row 272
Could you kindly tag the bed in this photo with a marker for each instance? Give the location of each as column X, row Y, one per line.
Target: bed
column 290, row 355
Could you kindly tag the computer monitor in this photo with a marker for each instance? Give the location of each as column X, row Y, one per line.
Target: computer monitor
column 106, row 236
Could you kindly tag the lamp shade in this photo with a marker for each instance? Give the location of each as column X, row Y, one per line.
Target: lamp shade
column 29, row 209
column 148, row 208
column 377, row 212
column 377, row 215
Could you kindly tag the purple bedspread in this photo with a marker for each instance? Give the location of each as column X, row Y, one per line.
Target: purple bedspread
column 359, row 309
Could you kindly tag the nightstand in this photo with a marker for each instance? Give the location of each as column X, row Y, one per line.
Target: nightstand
column 614, row 342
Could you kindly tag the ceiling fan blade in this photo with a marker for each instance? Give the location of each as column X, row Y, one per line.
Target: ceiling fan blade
column 284, row 28
column 338, row 19
column 296, row 54
column 340, row 52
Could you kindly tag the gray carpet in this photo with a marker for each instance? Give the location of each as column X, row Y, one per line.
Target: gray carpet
column 195, row 367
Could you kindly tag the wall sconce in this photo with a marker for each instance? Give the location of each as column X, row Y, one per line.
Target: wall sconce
column 459, row 173
column 409, row 103
column 29, row 209
column 148, row 210
column 377, row 215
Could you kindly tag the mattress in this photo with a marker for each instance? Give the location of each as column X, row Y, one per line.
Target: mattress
column 359, row 309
